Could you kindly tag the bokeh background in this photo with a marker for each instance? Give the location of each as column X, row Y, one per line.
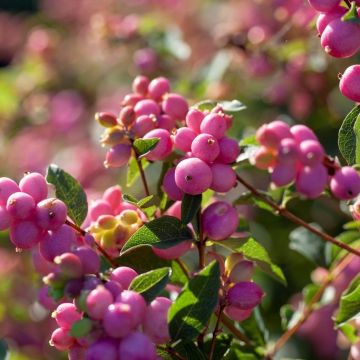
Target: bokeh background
column 62, row 61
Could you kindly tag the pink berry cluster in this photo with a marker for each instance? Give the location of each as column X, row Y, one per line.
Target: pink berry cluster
column 341, row 39
column 151, row 111
column 121, row 324
column 208, row 155
column 294, row 154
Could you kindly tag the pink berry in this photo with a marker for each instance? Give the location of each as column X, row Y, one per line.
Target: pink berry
column 214, row 124
column 118, row 320
column 89, row 259
column 35, row 185
column 229, row 150
column 127, row 116
column 140, row 85
column 283, row 174
column 98, row 208
column 7, row 188
column 5, row 218
column 325, row 18
column 245, row 295
column 305, row 183
column 45, row 300
column 104, row 349
column 175, row 105
column 137, row 305
column 311, row 152
column 170, row 187
column 76, row 352
column 112, row 196
column 193, row 176
column 270, row 135
column 51, row 213
column 166, row 122
column 98, row 301
column 123, row 275
column 66, row 315
column 114, row 287
column 158, row 87
column 61, row 339
column 106, row 119
column 302, row 133
column 174, row 210
column 193, row 120
column 117, row 156
column 237, row 314
column 20, row 205
column 242, row 271
column 341, row 38
column 223, row 177
column 205, row 147
column 69, row 265
column 264, row 158
column 163, row 147
column 287, row 151
column 155, row 324
column 345, row 184
column 147, row 107
column 132, row 99
column 350, row 83
column 184, row 138
column 323, row 5
column 25, row 234
column 173, row 252
column 219, row 220
column 41, row 265
column 137, row 346
column 57, row 242
column 143, row 124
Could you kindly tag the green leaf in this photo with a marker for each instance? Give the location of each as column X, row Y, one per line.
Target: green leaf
column 192, row 309
column 205, row 105
column 352, row 15
column 144, row 201
column 254, row 328
column 130, row 199
column 232, row 106
column 286, row 313
column 163, row 233
column 178, row 276
column 189, row 351
column 70, row 192
column 4, row 349
column 250, row 140
column 352, row 225
column 349, row 303
column 238, row 352
column 222, row 345
column 133, row 170
column 81, row 328
column 351, row 237
column 143, row 146
column 309, row 291
column 190, row 205
column 134, row 259
column 350, row 332
column 347, row 138
column 254, row 251
column 151, row 283
column 164, row 355
column 308, row 244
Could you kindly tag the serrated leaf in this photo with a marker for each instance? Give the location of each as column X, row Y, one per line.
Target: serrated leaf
column 347, row 138
column 151, row 283
column 81, row 328
column 349, row 303
column 143, row 146
column 192, row 309
column 190, row 205
column 133, row 170
column 308, row 244
column 189, row 351
column 70, row 192
column 163, row 233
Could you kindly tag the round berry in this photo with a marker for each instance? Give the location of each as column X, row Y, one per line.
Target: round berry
column 89, row 259
column 283, row 174
column 270, row 135
column 112, row 196
column 229, row 150
column 163, row 148
column 345, row 184
column 104, row 349
column 25, row 234
column 137, row 346
column 325, row 18
column 114, row 287
column 5, row 218
column 98, row 301
column 302, row 133
column 117, row 156
column 20, row 205
column 61, row 339
column 158, row 87
column 223, row 177
column 305, row 183
column 118, row 320
column 35, row 185
column 184, row 138
column 166, row 122
column 311, row 152
column 205, row 147
column 98, row 208
column 214, row 124
column 69, row 265
column 244, row 295
column 175, row 105
column 193, row 119
column 323, row 5
column 66, row 315
column 7, row 187
column 173, row 252
column 123, row 275
column 237, row 314
column 51, row 213
column 147, row 107
column 264, row 158
column 140, row 85
column 137, row 305
column 350, row 83
column 170, row 187
column 143, row 124
column 127, row 115
column 287, row 151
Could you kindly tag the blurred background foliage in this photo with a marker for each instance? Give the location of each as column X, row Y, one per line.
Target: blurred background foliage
column 61, row 61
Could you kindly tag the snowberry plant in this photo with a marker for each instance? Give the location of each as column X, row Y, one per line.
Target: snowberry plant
column 171, row 275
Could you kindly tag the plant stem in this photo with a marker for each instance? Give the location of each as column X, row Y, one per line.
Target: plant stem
column 201, row 242
column 183, row 267
column 215, row 332
column 236, row 332
column 311, row 306
column 172, row 352
column 290, row 216
column 141, row 170
column 98, row 246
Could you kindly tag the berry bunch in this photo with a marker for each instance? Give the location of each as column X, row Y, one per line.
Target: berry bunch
column 151, row 111
column 295, row 154
column 340, row 38
column 209, row 154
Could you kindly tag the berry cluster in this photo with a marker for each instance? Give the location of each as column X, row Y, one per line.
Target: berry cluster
column 209, row 154
column 151, row 111
column 295, row 154
column 340, row 38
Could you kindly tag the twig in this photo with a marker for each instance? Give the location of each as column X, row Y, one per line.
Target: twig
column 215, row 332
column 236, row 332
column 289, row 215
column 201, row 242
column 141, row 170
column 183, row 267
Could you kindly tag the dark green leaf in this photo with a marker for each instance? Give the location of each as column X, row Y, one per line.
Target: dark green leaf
column 193, row 308
column 70, row 192
column 164, row 355
column 133, row 170
column 222, row 345
column 352, row 14
column 308, row 244
column 189, row 351
column 81, row 328
column 4, row 349
column 130, row 199
column 163, row 233
column 143, row 146
column 286, row 314
column 351, row 237
column 254, row 328
column 349, row 303
column 151, row 283
column 347, row 138
column 238, row 352
column 190, row 205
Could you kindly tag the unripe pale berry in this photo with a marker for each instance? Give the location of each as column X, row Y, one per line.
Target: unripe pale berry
column 140, row 85
column 89, row 259
column 302, row 133
column 98, row 208
column 106, row 119
column 175, row 105
column 51, row 213
column 323, row 5
column 184, row 138
column 69, row 265
column 66, row 315
column 155, row 324
column 229, row 150
column 127, row 115
column 223, row 177
column 311, row 152
column 147, row 107
column 112, row 196
column 205, row 147
column 219, row 220
column 132, row 99
column 5, row 218
column 137, row 305
column 104, row 349
column 98, row 301
column 123, row 275
column 170, row 187
column 173, row 252
column 25, row 234
column 237, row 314
column 214, row 124
column 35, row 185
column 345, row 184
column 20, row 205
column 350, row 83
column 193, row 176
column 137, row 346
column 283, row 174
column 305, row 183
column 163, row 148
column 193, row 119
column 117, row 156
column 143, row 124
column 118, row 320
column 242, row 271
column 325, row 18
column 61, row 339
column 7, row 187
column 264, row 158
column 271, row 134
column 244, row 295
column 159, row 87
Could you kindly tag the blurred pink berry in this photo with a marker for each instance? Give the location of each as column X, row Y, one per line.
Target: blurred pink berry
column 137, row 346
column 20, row 205
column 61, row 339
column 7, row 188
column 137, row 305
column 193, row 120
column 140, row 85
column 25, row 234
column 283, row 174
column 118, row 320
column 158, row 87
column 350, row 83
column 117, row 156
column 66, row 315
column 229, row 150
column 323, row 5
